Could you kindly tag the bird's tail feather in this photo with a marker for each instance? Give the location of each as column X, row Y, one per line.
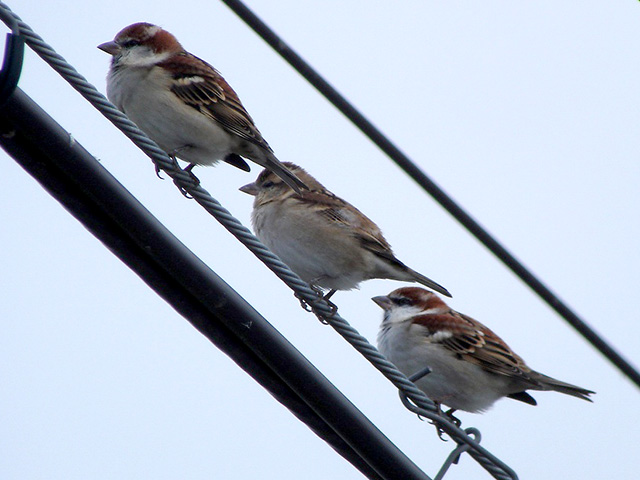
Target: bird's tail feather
column 549, row 383
column 427, row 282
column 273, row 164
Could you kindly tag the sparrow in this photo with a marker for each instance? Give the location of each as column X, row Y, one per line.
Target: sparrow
column 183, row 103
column 324, row 239
column 470, row 367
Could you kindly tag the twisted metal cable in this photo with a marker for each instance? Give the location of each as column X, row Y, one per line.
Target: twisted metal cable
column 423, row 406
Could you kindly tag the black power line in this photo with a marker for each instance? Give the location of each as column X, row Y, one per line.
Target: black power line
column 388, row 147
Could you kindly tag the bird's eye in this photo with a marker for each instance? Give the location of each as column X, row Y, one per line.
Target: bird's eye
column 130, row 43
column 402, row 301
column 268, row 184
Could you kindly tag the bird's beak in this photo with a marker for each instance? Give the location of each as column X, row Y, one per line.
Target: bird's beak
column 250, row 188
column 383, row 302
column 112, row 48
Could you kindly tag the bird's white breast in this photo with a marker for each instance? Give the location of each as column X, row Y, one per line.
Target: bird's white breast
column 144, row 95
column 316, row 250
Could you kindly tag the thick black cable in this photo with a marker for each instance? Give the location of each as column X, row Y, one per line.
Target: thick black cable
column 74, row 178
column 388, row 147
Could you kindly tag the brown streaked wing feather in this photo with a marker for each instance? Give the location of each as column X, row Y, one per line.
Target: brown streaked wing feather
column 380, row 247
column 476, row 343
column 367, row 232
column 466, row 340
column 326, row 204
column 371, row 238
column 202, row 87
column 347, row 216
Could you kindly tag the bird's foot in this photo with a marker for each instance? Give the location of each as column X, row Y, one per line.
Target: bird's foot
column 195, row 180
column 455, row 420
column 332, row 306
column 449, row 416
column 189, row 169
column 303, row 302
column 309, row 306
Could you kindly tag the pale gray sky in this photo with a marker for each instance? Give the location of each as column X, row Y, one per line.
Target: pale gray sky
column 527, row 113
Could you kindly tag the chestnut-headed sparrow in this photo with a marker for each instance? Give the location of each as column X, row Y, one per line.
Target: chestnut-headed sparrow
column 325, row 240
column 470, row 366
column 183, row 103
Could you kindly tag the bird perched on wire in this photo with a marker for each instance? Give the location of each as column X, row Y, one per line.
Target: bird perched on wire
column 325, row 240
column 470, row 367
column 183, row 103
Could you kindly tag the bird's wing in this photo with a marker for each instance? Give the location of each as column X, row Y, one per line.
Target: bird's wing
column 328, row 206
column 474, row 342
column 201, row 86
column 344, row 215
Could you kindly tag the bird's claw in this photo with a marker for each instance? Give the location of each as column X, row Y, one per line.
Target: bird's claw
column 332, row 306
column 455, row 420
column 196, row 181
column 449, row 416
column 189, row 170
column 303, row 303
column 321, row 300
column 440, row 432
column 183, row 191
